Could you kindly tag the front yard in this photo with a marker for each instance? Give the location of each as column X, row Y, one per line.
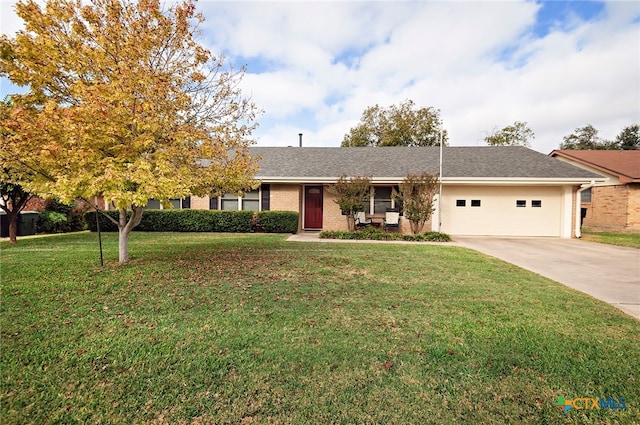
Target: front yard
column 219, row 328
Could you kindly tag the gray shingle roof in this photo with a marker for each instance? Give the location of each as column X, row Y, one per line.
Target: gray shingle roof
column 397, row 162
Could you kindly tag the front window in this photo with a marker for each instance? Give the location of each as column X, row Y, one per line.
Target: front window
column 249, row 202
column 152, row 204
column 380, row 200
column 229, row 202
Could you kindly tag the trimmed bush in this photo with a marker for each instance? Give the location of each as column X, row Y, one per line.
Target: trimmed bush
column 180, row 221
column 378, row 235
column 277, row 221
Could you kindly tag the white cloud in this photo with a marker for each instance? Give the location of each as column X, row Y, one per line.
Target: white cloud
column 315, row 66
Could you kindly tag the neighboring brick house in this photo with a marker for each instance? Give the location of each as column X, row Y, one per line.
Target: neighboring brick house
column 613, row 204
column 505, row 191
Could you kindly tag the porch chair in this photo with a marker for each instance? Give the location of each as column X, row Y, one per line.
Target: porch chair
column 391, row 219
column 362, row 220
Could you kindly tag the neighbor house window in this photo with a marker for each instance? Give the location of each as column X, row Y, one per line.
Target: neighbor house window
column 232, row 202
column 461, row 202
column 380, row 200
column 521, row 203
column 536, row 203
column 475, row 202
column 585, row 195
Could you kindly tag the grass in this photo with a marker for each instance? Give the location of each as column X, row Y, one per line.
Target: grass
column 631, row 240
column 203, row 328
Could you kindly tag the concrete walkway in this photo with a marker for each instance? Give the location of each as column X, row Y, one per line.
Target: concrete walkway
column 606, row 272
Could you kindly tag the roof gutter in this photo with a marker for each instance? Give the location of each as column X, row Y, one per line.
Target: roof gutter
column 491, row 181
column 578, row 209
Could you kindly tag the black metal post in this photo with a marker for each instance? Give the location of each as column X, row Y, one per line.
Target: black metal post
column 99, row 238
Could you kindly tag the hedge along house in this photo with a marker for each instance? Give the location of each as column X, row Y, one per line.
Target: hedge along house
column 497, row 191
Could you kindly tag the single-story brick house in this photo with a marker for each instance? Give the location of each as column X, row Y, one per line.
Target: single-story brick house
column 612, row 204
column 505, row 191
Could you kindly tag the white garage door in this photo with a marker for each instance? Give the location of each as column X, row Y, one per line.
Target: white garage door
column 502, row 211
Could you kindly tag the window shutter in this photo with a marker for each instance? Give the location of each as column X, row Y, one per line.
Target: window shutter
column 265, row 188
column 213, row 202
column 186, row 202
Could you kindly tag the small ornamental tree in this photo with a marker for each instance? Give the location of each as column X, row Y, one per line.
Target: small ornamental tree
column 416, row 195
column 351, row 194
column 14, row 199
column 123, row 102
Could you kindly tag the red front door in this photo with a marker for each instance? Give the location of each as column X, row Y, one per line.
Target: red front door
column 313, row 207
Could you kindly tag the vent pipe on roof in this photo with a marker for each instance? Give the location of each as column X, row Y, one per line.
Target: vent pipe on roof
column 300, row 135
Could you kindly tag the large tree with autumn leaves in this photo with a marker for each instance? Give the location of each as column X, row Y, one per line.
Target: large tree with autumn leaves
column 122, row 101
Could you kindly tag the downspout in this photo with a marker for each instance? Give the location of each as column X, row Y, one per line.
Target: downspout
column 578, row 208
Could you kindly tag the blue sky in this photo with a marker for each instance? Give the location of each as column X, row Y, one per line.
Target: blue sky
column 313, row 67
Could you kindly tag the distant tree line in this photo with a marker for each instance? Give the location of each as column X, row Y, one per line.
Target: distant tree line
column 586, row 137
column 406, row 124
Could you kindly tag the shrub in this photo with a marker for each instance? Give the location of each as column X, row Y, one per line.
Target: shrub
column 232, row 221
column 180, row 221
column 59, row 217
column 379, row 235
column 277, row 221
column 51, row 222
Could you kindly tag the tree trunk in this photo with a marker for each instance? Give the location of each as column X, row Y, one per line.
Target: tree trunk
column 351, row 222
column 124, row 229
column 13, row 227
column 416, row 226
column 123, row 245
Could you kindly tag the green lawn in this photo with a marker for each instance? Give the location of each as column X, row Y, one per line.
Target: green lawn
column 612, row 238
column 203, row 328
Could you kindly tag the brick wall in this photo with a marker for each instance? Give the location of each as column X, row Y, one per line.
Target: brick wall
column 198, row 203
column 38, row 204
column 633, row 207
column 332, row 218
column 613, row 208
column 35, row 204
column 286, row 197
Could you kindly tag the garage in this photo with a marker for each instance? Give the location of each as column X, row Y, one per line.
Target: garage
column 504, row 210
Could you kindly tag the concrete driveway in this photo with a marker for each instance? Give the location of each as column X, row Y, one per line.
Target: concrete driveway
column 609, row 273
